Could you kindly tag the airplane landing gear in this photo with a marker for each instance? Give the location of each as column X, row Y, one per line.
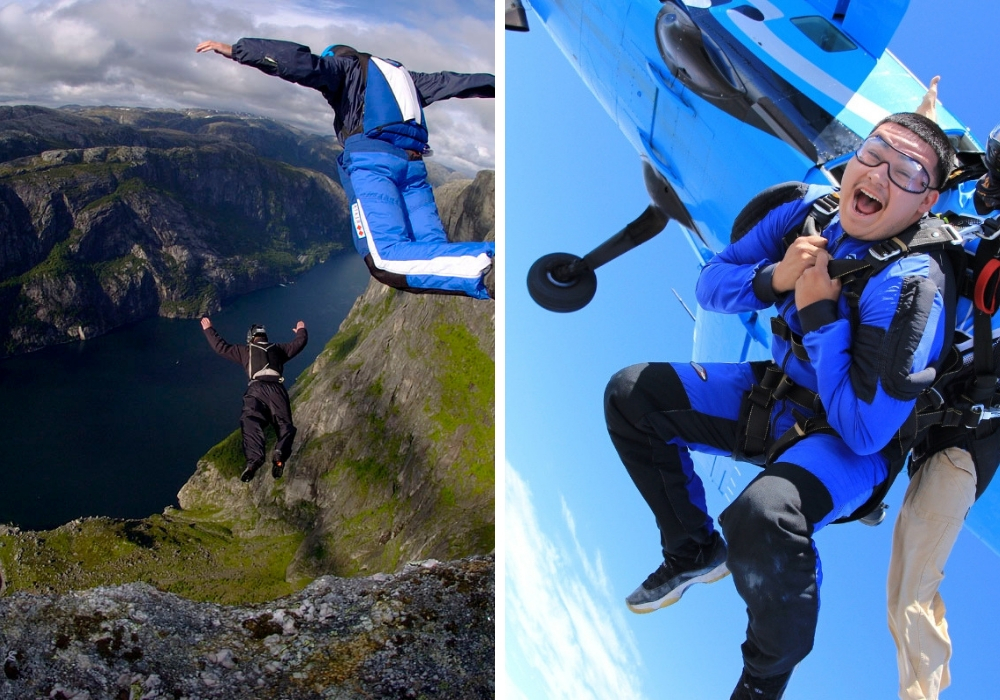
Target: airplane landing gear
column 561, row 282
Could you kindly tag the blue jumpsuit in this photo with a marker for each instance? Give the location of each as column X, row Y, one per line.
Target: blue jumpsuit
column 379, row 120
column 867, row 379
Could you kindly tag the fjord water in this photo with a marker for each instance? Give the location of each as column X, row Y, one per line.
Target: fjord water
column 115, row 425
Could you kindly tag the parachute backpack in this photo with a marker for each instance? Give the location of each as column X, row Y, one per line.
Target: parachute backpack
column 264, row 363
column 960, row 404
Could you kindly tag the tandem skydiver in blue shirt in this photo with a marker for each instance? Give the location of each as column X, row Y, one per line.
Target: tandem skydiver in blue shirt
column 378, row 116
column 857, row 377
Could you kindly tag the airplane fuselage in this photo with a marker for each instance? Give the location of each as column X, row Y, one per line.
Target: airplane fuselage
column 726, row 99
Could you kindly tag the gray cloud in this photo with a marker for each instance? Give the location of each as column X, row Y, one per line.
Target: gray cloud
column 140, row 53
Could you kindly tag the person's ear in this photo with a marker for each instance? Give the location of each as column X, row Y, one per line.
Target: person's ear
column 929, row 200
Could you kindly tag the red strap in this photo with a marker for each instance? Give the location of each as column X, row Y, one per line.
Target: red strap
column 986, row 282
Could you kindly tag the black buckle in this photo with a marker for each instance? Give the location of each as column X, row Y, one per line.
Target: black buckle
column 881, row 251
column 825, row 207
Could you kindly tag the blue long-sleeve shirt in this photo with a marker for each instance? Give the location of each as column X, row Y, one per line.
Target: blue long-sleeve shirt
column 867, row 378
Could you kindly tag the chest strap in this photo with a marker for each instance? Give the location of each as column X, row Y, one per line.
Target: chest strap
column 929, row 236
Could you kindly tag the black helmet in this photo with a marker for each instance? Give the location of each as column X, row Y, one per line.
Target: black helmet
column 256, row 331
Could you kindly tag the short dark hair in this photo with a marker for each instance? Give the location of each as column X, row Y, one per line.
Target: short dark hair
column 930, row 133
column 339, row 50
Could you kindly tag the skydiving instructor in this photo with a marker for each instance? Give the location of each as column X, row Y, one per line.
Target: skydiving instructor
column 378, row 116
column 265, row 400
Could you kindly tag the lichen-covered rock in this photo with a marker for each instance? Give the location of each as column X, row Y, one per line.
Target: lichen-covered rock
column 427, row 632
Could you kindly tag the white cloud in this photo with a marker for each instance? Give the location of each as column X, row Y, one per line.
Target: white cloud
column 565, row 624
column 140, row 53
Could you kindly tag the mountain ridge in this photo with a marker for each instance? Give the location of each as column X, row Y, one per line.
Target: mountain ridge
column 112, row 215
column 323, row 584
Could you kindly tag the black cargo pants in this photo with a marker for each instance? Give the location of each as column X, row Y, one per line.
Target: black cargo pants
column 266, row 403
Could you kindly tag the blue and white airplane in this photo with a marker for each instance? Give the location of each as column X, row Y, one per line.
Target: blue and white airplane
column 750, row 93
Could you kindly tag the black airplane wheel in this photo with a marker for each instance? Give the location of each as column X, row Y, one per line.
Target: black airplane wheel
column 553, row 289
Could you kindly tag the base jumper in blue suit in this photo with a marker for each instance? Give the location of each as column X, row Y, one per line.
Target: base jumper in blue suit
column 862, row 369
column 378, row 106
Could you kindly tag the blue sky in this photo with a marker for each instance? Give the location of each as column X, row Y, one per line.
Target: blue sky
column 141, row 54
column 578, row 537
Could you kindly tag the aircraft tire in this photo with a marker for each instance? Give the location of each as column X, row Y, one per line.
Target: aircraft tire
column 561, row 297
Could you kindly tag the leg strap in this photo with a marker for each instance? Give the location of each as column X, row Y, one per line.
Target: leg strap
column 755, row 444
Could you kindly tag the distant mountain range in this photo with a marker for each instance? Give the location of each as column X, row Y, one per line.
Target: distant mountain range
column 109, row 215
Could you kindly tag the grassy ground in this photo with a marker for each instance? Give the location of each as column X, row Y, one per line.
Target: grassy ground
column 182, row 554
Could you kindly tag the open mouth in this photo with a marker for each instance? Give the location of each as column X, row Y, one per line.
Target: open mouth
column 866, row 203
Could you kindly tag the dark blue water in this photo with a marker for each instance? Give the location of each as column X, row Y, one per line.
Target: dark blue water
column 115, row 425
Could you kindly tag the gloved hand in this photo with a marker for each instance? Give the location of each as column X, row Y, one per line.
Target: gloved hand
column 987, row 196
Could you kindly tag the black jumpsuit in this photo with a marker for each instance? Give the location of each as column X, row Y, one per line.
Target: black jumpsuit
column 265, row 400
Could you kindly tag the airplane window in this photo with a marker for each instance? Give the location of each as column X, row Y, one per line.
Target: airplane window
column 693, row 57
column 751, row 12
column 823, row 34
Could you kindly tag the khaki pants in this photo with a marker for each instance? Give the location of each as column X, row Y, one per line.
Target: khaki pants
column 937, row 500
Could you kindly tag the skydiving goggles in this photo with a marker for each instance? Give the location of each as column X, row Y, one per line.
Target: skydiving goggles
column 906, row 172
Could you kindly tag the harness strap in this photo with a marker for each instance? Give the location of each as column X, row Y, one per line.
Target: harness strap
column 855, row 273
column 820, row 213
column 757, row 421
column 781, row 329
column 775, row 385
column 802, row 427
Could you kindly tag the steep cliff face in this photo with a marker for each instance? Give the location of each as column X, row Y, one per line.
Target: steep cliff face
column 111, row 215
column 394, row 456
column 393, row 462
column 392, row 470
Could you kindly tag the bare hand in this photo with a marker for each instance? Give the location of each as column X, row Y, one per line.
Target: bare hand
column 815, row 283
column 206, row 323
column 800, row 256
column 928, row 107
column 216, row 46
column 298, row 326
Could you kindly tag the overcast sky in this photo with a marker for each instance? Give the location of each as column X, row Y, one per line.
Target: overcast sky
column 140, row 53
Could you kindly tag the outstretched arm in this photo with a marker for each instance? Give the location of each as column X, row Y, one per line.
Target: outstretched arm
column 216, row 46
column 928, row 106
column 292, row 62
column 219, row 344
column 445, row 85
column 301, row 338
